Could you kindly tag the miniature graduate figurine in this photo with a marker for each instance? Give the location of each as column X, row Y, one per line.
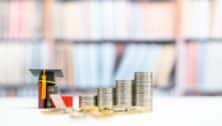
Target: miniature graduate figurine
column 46, row 85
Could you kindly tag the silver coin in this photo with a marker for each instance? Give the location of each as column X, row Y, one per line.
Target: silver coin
column 87, row 100
column 143, row 76
column 142, row 89
column 105, row 97
column 123, row 93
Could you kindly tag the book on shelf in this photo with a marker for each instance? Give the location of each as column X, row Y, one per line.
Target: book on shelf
column 216, row 31
column 159, row 20
column 136, row 21
column 107, row 53
column 20, row 19
column 3, row 65
column 96, row 12
column 33, row 59
column 121, row 18
column 210, row 62
column 15, row 59
column 68, row 20
column 164, row 66
column 105, row 18
column 193, row 63
column 64, row 60
column 92, row 66
column 57, row 28
column 78, row 55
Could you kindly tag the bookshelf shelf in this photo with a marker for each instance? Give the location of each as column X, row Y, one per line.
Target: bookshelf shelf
column 117, row 1
column 203, row 93
column 21, row 39
column 203, row 40
column 117, row 41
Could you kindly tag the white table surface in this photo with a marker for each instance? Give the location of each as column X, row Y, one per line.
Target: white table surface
column 168, row 111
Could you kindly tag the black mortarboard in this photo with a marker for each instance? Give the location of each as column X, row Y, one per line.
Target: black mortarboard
column 54, row 72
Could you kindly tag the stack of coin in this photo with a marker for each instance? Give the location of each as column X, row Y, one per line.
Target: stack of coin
column 143, row 89
column 123, row 93
column 86, row 100
column 105, row 97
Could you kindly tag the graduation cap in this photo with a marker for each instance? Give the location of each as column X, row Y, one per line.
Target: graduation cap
column 46, row 84
column 49, row 72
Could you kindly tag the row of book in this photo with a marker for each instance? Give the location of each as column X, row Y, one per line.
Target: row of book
column 113, row 19
column 87, row 65
column 137, row 20
column 203, row 60
column 21, row 19
column 201, row 18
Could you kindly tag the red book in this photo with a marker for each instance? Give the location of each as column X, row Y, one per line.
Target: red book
column 193, row 66
column 68, row 100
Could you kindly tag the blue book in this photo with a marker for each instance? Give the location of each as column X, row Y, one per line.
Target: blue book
column 120, row 8
column 79, row 55
column 33, row 60
column 92, row 66
column 132, row 60
column 107, row 63
column 202, row 69
column 106, row 19
column 96, row 20
column 210, row 70
column 152, row 53
column 136, row 21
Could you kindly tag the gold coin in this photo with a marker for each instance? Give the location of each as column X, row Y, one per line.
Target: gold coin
column 77, row 114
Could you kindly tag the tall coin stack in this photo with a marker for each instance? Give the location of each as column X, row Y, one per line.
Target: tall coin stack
column 86, row 100
column 123, row 93
column 105, row 97
column 143, row 90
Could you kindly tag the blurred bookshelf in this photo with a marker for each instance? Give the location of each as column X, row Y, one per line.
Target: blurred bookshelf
column 97, row 41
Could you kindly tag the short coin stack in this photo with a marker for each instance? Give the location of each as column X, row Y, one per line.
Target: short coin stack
column 143, row 90
column 105, row 97
column 123, row 93
column 87, row 100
